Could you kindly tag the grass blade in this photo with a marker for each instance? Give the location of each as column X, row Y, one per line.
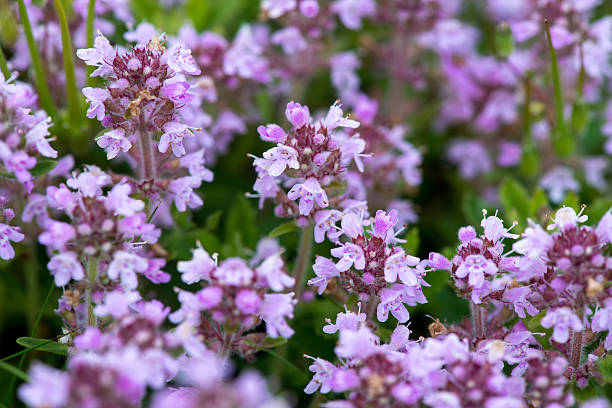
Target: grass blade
column 89, row 39
column 563, row 142
column 15, row 371
column 72, row 94
column 3, row 65
column 44, row 95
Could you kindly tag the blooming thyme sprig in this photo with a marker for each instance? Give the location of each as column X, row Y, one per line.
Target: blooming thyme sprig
column 310, row 158
column 142, row 97
column 234, row 300
column 24, row 134
column 438, row 372
column 370, row 262
column 144, row 94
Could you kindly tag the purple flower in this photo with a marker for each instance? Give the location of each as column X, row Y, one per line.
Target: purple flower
column 308, row 192
column 336, row 119
column 602, row 321
column 324, row 270
column 176, row 92
column 322, row 378
column 117, row 304
column 277, row 159
column 275, row 309
column 180, row 60
column 309, row 8
column 65, row 266
column 518, row 298
column 439, row 261
column 126, row 265
column 352, row 225
column 113, row 142
column 297, row 114
column 57, row 234
column 325, row 223
column 477, row 267
column 290, row 39
column 351, row 12
column 392, row 300
column 350, row 255
column 182, row 189
column 174, row 133
column 399, row 264
column 272, row 133
column 9, row 233
column 276, row 8
column 49, row 388
column 100, row 56
column 209, row 297
column 561, row 320
column 200, row 267
column 356, row 344
column 119, row 201
column 383, row 223
column 37, row 136
column 345, row 321
column 247, row 301
column 272, row 270
column 96, row 98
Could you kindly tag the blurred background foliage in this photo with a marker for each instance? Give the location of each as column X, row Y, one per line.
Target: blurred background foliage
column 231, row 225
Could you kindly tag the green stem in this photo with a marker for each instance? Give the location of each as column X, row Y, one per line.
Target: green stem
column 563, row 142
column 89, row 41
column 3, row 65
column 44, row 94
column 92, row 273
column 303, row 260
column 72, row 94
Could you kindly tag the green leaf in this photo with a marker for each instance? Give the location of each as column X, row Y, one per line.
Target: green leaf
column 15, row 371
column 413, row 240
column 580, row 116
column 598, row 208
column 240, row 226
column 472, row 206
column 605, row 368
column 530, row 160
column 213, row 220
column 515, row 199
column 538, row 201
column 43, row 167
column 271, row 342
column 283, row 229
column 43, row 345
column 572, row 200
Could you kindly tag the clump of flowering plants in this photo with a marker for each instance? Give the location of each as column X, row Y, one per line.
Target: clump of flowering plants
column 322, row 203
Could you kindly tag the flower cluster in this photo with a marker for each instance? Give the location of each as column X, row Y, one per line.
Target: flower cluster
column 311, row 159
column 24, row 133
column 236, row 297
column 369, row 262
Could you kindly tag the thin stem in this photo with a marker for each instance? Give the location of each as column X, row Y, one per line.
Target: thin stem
column 41, row 82
column 147, row 156
column 72, row 94
column 4, row 66
column 479, row 321
column 89, row 39
column 92, row 273
column 303, row 259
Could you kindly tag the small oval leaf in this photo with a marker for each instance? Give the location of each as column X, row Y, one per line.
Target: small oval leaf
column 43, row 345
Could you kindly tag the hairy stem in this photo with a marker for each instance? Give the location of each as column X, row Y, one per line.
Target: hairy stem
column 147, row 156
column 92, row 273
column 575, row 348
column 304, row 258
column 479, row 321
